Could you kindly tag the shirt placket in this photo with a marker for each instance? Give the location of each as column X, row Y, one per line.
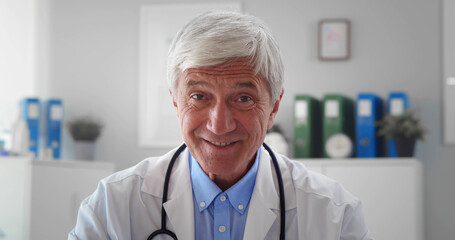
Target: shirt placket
column 221, row 218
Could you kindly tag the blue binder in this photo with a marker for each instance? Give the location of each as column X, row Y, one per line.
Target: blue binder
column 368, row 111
column 54, row 116
column 398, row 102
column 31, row 113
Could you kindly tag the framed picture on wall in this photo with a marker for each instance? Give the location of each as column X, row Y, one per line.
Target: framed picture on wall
column 334, row 39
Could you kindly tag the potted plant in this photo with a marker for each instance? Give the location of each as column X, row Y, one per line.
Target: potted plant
column 405, row 129
column 85, row 131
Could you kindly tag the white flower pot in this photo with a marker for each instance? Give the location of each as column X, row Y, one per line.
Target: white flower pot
column 84, row 150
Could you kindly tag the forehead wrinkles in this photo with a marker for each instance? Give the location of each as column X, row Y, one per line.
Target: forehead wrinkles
column 222, row 72
column 232, row 68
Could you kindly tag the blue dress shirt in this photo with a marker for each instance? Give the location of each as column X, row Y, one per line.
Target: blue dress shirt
column 217, row 214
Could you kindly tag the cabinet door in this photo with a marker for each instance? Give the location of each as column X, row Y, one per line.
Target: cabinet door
column 391, row 196
column 14, row 183
column 57, row 191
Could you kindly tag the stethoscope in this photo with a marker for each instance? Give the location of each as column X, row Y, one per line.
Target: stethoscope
column 163, row 229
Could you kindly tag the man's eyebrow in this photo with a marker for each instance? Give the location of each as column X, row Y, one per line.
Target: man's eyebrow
column 246, row 85
column 191, row 83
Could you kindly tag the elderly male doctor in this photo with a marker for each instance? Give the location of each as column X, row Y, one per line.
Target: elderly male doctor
column 225, row 76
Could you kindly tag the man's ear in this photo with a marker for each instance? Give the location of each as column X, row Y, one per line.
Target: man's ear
column 276, row 106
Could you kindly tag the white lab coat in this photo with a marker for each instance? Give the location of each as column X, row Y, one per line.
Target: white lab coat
column 127, row 204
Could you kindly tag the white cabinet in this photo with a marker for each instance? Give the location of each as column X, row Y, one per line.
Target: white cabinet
column 40, row 199
column 390, row 190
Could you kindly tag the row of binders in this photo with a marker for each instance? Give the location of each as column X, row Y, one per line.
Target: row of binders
column 339, row 127
column 27, row 129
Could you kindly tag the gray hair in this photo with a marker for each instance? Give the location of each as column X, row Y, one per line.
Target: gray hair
column 216, row 37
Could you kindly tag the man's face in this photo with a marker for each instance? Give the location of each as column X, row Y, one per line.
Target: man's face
column 224, row 113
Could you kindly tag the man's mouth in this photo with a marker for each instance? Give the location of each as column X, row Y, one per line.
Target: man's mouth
column 220, row 144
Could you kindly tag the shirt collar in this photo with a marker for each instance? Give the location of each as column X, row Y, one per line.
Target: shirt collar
column 205, row 191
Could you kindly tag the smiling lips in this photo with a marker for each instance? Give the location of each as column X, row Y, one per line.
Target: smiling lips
column 220, row 144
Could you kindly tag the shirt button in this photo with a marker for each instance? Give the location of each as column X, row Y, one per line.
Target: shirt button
column 202, row 204
column 223, row 198
column 240, row 206
column 222, row 228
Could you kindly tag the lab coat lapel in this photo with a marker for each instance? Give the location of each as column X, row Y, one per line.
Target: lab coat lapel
column 179, row 207
column 265, row 198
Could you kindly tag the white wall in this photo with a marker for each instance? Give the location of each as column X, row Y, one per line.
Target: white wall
column 395, row 46
column 17, row 57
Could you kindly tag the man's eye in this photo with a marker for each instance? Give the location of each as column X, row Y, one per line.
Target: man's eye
column 198, row 97
column 244, row 99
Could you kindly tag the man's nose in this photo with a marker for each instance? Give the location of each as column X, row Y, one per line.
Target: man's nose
column 221, row 119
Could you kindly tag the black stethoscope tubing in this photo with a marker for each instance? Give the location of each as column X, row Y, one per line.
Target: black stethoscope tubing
column 163, row 229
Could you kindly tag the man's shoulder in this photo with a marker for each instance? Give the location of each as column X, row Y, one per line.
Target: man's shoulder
column 151, row 166
column 314, row 184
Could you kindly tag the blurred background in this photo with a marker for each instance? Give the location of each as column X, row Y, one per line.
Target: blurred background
column 87, row 53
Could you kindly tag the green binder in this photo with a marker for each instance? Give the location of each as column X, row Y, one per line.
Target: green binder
column 307, row 127
column 338, row 118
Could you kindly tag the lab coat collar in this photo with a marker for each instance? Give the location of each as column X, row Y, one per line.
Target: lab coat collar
column 179, row 207
column 265, row 200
